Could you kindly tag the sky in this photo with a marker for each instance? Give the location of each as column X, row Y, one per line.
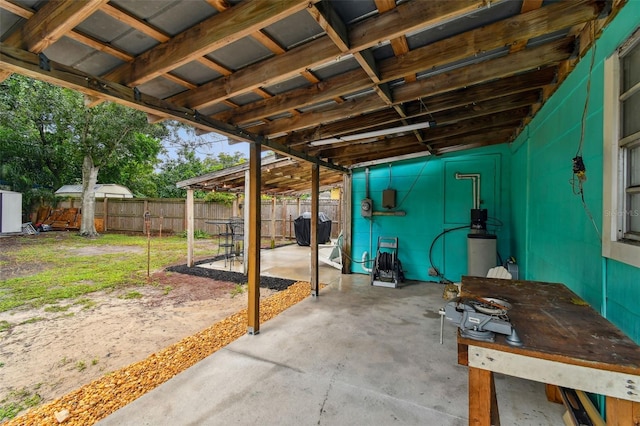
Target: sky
column 209, row 145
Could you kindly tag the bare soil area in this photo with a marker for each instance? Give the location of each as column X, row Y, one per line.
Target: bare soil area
column 53, row 353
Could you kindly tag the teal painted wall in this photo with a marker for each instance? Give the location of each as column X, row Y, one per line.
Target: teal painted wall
column 554, row 238
column 433, row 201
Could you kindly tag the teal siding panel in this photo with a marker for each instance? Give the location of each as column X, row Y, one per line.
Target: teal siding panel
column 554, row 236
column 623, row 293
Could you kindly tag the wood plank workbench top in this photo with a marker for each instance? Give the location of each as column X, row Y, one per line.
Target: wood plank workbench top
column 556, row 324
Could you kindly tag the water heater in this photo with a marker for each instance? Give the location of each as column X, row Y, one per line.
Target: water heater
column 481, row 246
column 481, row 254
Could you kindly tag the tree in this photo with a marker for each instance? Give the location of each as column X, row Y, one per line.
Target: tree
column 36, row 153
column 187, row 165
column 48, row 137
column 110, row 134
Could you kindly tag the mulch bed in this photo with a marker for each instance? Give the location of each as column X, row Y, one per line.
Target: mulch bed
column 272, row 283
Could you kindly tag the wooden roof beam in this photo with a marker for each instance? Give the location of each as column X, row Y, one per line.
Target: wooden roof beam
column 527, row 6
column 495, row 123
column 54, row 19
column 477, row 113
column 503, row 133
column 350, row 108
column 142, row 26
column 510, row 118
column 430, row 105
column 468, row 141
column 539, row 57
column 406, row 17
column 17, row 9
column 470, row 145
column 207, row 36
column 538, row 22
column 355, row 148
column 403, row 145
column 4, row 75
column 551, row 53
column 356, row 80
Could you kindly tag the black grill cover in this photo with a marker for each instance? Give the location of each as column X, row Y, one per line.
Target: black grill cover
column 302, row 227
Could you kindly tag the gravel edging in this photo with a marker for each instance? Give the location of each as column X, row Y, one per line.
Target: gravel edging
column 96, row 400
column 273, row 283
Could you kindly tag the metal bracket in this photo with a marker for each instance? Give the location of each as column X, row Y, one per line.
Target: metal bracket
column 43, row 62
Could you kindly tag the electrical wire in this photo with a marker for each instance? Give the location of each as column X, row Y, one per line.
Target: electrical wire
column 498, row 221
column 586, row 103
column 579, row 175
column 439, row 275
column 414, row 183
column 358, row 261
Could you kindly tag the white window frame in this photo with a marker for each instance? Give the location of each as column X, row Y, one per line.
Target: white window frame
column 614, row 245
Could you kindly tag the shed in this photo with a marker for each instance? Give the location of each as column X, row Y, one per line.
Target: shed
column 10, row 212
column 102, row 190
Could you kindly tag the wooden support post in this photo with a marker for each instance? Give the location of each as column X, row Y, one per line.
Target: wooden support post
column 253, row 254
column 463, row 354
column 284, row 218
column 235, row 211
column 273, row 222
column 340, row 210
column 553, row 393
column 622, row 412
column 190, row 226
column 245, row 215
column 315, row 192
column 483, row 403
column 105, row 215
column 145, row 208
column 346, row 225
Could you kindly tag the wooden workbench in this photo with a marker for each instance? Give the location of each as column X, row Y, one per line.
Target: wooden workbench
column 565, row 343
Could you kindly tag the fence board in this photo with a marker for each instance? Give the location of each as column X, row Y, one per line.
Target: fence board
column 127, row 215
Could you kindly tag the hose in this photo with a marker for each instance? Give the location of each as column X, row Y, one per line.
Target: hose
column 386, row 261
column 442, row 277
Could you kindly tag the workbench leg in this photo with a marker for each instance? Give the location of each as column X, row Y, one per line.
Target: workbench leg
column 463, row 354
column 483, row 404
column 621, row 412
column 553, row 393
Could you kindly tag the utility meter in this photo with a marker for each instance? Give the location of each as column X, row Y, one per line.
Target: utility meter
column 366, row 207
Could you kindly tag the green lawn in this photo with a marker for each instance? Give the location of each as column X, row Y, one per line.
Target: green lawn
column 67, row 272
column 67, row 266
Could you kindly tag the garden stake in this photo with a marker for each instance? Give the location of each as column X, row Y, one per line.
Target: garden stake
column 147, row 223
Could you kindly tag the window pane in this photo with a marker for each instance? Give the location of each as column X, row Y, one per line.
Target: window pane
column 634, row 213
column 634, row 166
column 631, row 68
column 631, row 115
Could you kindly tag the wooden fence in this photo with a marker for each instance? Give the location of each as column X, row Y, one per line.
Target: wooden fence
column 168, row 215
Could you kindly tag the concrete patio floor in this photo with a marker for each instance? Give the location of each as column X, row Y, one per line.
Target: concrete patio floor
column 291, row 261
column 355, row 355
